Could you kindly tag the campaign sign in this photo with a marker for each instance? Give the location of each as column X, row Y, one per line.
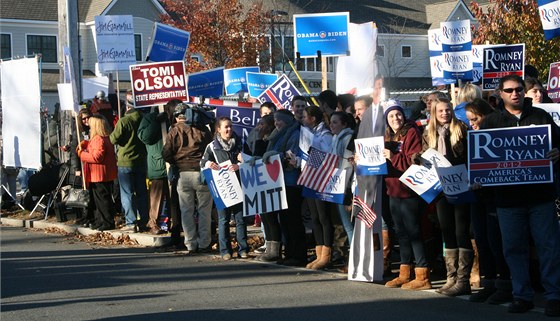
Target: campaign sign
column 209, row 83
column 423, row 181
column 263, row 187
column 169, row 43
column 157, row 83
column 549, row 11
column 477, row 60
column 370, row 160
column 436, row 57
column 334, row 192
column 235, row 79
column 243, row 119
column 455, row 184
column 280, row 93
column 554, row 82
column 552, row 109
column 510, row 156
column 457, row 65
column 432, row 157
column 305, row 141
column 456, row 36
column 257, row 82
column 324, row 32
column 500, row 61
column 224, row 186
column 114, row 38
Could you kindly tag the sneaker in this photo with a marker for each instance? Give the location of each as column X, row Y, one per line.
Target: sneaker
column 552, row 308
column 243, row 255
column 127, row 228
column 520, row 306
column 204, row 249
column 261, row 249
column 226, row 257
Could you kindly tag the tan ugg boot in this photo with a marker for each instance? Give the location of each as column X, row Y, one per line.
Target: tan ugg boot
column 386, row 253
column 403, row 278
column 421, row 282
column 475, row 272
column 318, row 250
column 325, row 260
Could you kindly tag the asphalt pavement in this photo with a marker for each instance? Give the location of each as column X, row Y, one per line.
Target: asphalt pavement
column 52, row 277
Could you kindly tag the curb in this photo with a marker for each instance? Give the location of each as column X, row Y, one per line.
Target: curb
column 142, row 239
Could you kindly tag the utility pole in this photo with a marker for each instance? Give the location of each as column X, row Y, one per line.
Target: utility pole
column 68, row 37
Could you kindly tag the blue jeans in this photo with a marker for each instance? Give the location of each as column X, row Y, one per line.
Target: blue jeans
column 134, row 194
column 517, row 225
column 224, row 216
column 346, row 222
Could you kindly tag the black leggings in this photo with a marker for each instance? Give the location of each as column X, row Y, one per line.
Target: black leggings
column 455, row 222
column 323, row 230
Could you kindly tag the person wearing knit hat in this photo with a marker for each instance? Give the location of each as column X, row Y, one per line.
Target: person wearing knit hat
column 390, row 105
column 286, row 116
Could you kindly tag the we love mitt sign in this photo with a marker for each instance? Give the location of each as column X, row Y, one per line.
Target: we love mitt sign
column 263, row 186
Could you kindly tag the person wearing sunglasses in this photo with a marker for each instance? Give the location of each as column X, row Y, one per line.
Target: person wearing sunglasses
column 527, row 210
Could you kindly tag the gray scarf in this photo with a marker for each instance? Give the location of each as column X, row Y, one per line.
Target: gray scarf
column 226, row 145
column 443, row 136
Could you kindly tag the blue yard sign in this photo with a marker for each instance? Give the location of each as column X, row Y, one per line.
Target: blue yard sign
column 510, row 156
column 324, row 32
column 244, row 119
column 500, row 61
column 209, row 83
column 169, row 43
column 235, row 79
column 257, row 83
column 549, row 10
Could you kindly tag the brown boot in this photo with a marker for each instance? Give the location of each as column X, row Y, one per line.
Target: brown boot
column 404, row 277
column 318, row 250
column 421, row 282
column 451, row 265
column 386, row 253
column 462, row 286
column 325, row 259
column 475, row 272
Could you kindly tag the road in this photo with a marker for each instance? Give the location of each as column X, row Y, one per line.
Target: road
column 50, row 277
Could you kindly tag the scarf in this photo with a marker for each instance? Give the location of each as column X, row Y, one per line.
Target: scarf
column 226, row 145
column 443, row 134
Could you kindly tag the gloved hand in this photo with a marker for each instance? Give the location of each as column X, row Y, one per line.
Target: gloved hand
column 416, row 159
column 84, row 144
column 267, row 155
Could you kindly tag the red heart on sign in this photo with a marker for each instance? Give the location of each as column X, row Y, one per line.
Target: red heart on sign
column 273, row 169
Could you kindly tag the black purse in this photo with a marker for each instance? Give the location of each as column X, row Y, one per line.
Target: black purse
column 77, row 197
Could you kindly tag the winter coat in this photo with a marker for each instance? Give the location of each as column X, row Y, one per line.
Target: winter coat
column 216, row 153
column 149, row 132
column 185, row 145
column 523, row 195
column 402, row 148
column 100, row 163
column 131, row 151
column 282, row 141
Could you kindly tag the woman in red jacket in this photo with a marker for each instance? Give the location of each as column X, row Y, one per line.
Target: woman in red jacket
column 100, row 169
column 402, row 140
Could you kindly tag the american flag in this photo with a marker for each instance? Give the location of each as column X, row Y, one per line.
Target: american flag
column 365, row 213
column 319, row 168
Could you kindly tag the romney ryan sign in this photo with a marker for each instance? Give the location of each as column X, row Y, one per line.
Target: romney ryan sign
column 510, row 156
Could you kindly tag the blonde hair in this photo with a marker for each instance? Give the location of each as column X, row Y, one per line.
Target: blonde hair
column 468, row 93
column 455, row 126
column 98, row 125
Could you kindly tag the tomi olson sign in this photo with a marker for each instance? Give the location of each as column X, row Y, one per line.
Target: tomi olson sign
column 157, row 83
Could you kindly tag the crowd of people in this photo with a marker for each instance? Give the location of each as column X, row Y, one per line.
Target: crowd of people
column 505, row 225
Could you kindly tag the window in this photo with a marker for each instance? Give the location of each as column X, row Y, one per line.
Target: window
column 5, row 46
column 381, row 51
column 138, row 47
column 44, row 45
column 406, row 51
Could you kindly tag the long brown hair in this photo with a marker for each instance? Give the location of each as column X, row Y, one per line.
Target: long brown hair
column 98, row 125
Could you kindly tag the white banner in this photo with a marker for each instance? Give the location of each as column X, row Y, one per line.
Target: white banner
column 114, row 38
column 263, row 187
column 66, row 97
column 357, row 71
column 21, row 122
column 90, row 86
